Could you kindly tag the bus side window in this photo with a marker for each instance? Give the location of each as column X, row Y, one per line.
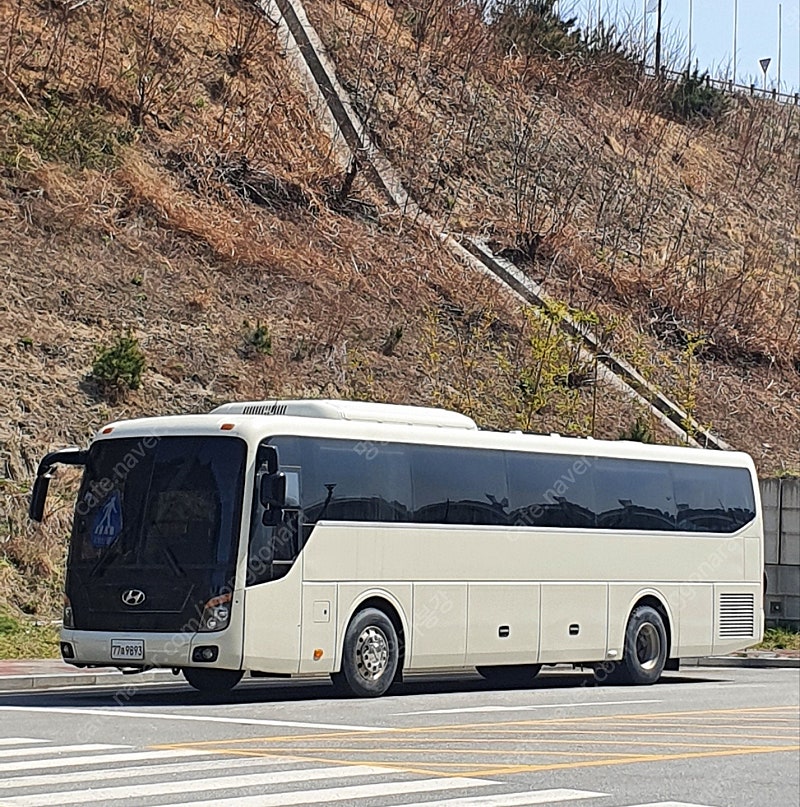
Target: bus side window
column 292, row 489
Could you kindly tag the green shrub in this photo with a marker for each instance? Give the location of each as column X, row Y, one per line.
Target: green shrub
column 79, row 135
column 120, row 364
column 781, row 638
column 25, row 639
column 7, row 625
column 257, row 338
column 392, row 340
column 604, row 40
column 532, row 26
column 639, row 431
column 693, row 98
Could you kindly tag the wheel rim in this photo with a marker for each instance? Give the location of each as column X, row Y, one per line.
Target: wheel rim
column 648, row 646
column 372, row 653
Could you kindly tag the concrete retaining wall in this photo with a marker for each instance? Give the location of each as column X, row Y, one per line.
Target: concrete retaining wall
column 781, row 502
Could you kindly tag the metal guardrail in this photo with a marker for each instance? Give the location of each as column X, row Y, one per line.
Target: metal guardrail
column 730, row 87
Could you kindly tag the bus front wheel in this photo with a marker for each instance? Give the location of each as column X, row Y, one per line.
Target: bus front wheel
column 645, row 651
column 212, row 682
column 370, row 656
column 512, row 675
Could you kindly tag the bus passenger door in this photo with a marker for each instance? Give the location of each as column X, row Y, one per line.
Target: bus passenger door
column 274, row 585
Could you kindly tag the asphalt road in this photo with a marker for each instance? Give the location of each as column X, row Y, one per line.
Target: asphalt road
column 704, row 738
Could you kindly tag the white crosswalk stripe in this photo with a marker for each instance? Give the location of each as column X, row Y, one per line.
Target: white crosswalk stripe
column 201, row 786
column 227, row 781
column 58, row 749
column 330, row 795
column 96, row 759
column 513, row 799
column 19, row 741
column 140, row 771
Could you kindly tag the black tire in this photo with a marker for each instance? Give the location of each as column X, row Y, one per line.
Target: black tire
column 512, row 675
column 645, row 652
column 212, row 682
column 370, row 657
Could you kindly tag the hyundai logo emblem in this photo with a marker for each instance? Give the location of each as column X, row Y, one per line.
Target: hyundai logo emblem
column 133, row 597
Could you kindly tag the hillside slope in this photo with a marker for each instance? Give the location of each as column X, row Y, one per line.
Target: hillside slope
column 161, row 176
column 685, row 233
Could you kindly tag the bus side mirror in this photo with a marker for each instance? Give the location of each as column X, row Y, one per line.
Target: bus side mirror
column 268, row 459
column 39, row 496
column 272, row 492
column 66, row 456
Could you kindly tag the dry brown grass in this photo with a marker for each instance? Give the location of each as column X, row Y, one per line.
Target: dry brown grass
column 700, row 220
column 141, row 225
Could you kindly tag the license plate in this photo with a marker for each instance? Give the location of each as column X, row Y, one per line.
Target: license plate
column 127, row 649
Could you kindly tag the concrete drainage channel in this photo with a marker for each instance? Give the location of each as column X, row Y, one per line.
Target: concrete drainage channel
column 331, row 102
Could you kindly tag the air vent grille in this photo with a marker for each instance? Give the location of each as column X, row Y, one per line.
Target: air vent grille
column 736, row 615
column 264, row 409
column 353, row 411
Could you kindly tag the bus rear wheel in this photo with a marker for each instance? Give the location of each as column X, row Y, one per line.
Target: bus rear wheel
column 370, row 656
column 212, row 682
column 512, row 675
column 645, row 651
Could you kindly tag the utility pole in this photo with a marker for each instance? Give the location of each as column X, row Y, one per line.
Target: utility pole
column 691, row 16
column 658, row 39
column 780, row 42
column 735, row 35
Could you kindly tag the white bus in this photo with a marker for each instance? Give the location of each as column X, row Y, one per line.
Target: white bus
column 365, row 540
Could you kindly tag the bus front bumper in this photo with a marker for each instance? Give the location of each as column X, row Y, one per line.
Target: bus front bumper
column 127, row 649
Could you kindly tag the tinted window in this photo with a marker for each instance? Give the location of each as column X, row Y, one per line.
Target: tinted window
column 713, row 499
column 175, row 503
column 346, row 480
column 549, row 490
column 459, row 486
column 362, row 481
column 634, row 495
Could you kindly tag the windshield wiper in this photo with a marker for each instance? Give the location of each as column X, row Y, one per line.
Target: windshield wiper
column 106, row 558
column 173, row 563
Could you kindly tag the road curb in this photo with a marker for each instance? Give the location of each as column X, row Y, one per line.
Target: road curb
column 34, row 683
column 741, row 661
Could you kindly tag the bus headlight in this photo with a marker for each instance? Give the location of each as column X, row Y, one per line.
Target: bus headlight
column 67, row 618
column 216, row 613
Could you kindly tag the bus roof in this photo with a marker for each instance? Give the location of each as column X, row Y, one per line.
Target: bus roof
column 395, row 424
column 352, row 410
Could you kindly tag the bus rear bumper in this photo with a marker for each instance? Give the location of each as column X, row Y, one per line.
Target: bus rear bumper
column 133, row 650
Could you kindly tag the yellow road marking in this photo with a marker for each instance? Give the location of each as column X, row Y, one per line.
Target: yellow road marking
column 514, row 769
column 397, row 742
column 290, row 747
column 768, row 720
column 651, row 726
column 462, row 752
column 525, row 768
column 464, row 727
column 514, row 734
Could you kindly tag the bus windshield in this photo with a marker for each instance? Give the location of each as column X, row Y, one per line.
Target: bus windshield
column 156, row 513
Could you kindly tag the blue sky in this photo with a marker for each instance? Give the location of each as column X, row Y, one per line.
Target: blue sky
column 712, row 33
